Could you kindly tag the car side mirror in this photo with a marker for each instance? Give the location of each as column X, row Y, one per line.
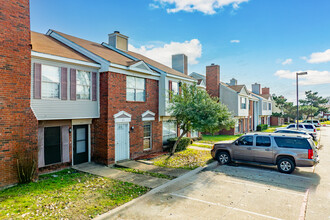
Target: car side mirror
column 236, row 142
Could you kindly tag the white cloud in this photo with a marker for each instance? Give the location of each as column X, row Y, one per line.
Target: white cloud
column 319, row 57
column 314, row 77
column 204, row 6
column 287, row 61
column 235, row 41
column 163, row 54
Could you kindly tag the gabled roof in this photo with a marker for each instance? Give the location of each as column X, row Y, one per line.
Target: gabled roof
column 237, row 88
column 266, row 96
column 118, row 57
column 45, row 44
column 197, row 76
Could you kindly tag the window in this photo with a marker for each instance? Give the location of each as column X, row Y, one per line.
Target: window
column 300, row 126
column 50, row 82
column 52, row 145
column 263, row 141
column 243, row 103
column 286, row 142
column 175, row 88
column 169, row 130
column 264, row 106
column 83, row 85
column 135, row 89
column 147, row 133
column 291, row 126
column 246, row 140
column 194, row 134
column 308, row 126
column 269, row 106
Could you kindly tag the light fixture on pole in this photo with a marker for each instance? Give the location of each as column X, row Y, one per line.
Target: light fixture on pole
column 298, row 74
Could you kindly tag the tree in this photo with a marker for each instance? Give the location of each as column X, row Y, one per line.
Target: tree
column 308, row 110
column 290, row 110
column 194, row 109
column 280, row 101
column 312, row 99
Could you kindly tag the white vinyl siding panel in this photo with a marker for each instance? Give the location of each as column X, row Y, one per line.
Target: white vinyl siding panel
column 51, row 109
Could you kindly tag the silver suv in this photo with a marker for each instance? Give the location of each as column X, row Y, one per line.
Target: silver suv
column 284, row 150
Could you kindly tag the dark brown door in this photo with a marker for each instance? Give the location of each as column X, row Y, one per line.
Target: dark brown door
column 52, row 144
column 80, row 144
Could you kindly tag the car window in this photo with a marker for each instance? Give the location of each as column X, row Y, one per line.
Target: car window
column 315, row 121
column 309, row 126
column 286, row 142
column 291, row 126
column 263, row 141
column 300, row 126
column 246, row 140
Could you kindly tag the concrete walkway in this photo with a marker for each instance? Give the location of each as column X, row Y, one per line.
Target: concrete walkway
column 139, row 165
column 139, row 179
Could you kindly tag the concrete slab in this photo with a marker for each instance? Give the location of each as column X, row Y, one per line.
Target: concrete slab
column 152, row 168
column 139, row 179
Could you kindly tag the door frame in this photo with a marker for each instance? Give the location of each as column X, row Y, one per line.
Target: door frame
column 124, row 118
column 88, row 141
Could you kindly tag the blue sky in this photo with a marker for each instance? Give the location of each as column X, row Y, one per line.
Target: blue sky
column 262, row 41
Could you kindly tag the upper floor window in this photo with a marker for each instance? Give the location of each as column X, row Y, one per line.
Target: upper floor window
column 50, row 82
column 243, row 103
column 264, row 106
column 175, row 88
column 269, row 106
column 83, row 85
column 135, row 89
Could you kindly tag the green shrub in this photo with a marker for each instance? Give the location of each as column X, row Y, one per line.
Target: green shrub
column 182, row 145
column 262, row 127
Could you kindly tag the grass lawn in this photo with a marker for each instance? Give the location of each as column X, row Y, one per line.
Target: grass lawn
column 272, row 128
column 211, row 139
column 158, row 175
column 325, row 123
column 201, row 145
column 66, row 194
column 187, row 159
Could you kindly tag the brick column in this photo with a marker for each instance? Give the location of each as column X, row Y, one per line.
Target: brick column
column 213, row 80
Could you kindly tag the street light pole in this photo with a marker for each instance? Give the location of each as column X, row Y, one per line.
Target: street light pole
column 298, row 74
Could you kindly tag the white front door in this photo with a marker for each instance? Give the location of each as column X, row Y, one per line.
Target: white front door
column 121, row 141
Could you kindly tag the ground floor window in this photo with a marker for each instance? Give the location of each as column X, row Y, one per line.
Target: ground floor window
column 194, row 134
column 147, row 134
column 169, row 130
column 236, row 126
column 52, row 145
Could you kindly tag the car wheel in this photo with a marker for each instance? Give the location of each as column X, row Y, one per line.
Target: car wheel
column 285, row 165
column 223, row 158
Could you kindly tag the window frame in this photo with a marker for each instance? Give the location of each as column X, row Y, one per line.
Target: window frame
column 147, row 123
column 243, row 104
column 245, row 137
column 270, row 141
column 90, row 85
column 135, row 89
column 48, row 82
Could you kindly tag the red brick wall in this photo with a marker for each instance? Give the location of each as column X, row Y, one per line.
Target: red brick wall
column 251, row 115
column 265, row 90
column 213, row 80
column 18, row 126
column 112, row 101
column 227, row 132
column 275, row 121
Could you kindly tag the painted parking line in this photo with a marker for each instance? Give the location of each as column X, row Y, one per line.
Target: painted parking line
column 264, row 187
column 229, row 207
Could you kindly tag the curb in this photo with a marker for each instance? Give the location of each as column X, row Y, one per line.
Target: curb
column 155, row 190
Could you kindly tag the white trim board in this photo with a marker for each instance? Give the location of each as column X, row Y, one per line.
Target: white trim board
column 64, row 59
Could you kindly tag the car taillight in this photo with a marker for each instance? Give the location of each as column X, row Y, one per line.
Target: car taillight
column 310, row 154
column 314, row 130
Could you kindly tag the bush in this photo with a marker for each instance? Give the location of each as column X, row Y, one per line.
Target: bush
column 182, row 145
column 262, row 127
column 26, row 166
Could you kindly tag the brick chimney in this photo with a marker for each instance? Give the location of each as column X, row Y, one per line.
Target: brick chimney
column 265, row 90
column 118, row 40
column 256, row 87
column 213, row 80
column 180, row 63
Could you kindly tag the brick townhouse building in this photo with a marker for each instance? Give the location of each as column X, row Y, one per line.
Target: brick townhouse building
column 71, row 100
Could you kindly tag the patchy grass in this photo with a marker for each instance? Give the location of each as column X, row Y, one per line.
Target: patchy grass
column 187, row 159
column 158, row 175
column 272, row 128
column 201, row 145
column 325, row 123
column 67, row 194
column 211, row 139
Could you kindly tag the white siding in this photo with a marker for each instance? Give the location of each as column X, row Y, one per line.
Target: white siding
column 51, row 109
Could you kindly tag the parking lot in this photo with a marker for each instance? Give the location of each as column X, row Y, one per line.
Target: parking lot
column 241, row 191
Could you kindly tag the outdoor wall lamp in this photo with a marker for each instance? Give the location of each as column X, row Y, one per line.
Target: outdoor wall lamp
column 132, row 128
column 70, row 130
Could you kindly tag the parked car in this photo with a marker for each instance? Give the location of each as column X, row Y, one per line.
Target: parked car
column 305, row 126
column 287, row 151
column 293, row 131
column 316, row 123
